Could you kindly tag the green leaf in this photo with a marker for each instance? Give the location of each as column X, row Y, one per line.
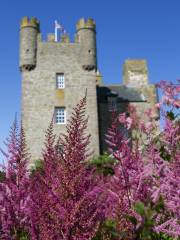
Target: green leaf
column 2, row 176
column 104, row 164
column 159, row 205
column 132, row 219
column 164, row 154
column 139, row 208
column 111, row 224
column 38, row 166
column 170, row 115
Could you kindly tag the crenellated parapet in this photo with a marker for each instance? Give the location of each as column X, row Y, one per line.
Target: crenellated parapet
column 57, row 72
column 86, row 24
column 51, row 37
column 32, row 22
column 65, row 38
column 135, row 72
column 85, row 41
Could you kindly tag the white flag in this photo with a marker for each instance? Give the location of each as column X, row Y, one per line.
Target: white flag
column 59, row 26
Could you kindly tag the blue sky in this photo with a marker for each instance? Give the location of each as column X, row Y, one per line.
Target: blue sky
column 147, row 29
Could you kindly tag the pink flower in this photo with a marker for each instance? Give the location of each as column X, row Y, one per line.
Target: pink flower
column 128, row 122
column 158, row 105
column 177, row 103
column 150, row 174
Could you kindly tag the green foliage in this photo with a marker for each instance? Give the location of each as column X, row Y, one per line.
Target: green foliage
column 145, row 231
column 139, row 208
column 160, row 206
column 104, row 164
column 2, row 176
column 37, row 167
column 164, row 154
column 24, row 236
column 20, row 234
column 108, row 230
column 171, row 115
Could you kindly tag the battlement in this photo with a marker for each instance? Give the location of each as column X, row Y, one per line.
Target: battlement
column 137, row 65
column 135, row 72
column 81, row 24
column 32, row 22
column 87, row 24
column 84, row 42
column 64, row 38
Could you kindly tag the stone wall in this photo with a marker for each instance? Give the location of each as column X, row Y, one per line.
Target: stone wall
column 40, row 61
column 135, row 72
column 40, row 96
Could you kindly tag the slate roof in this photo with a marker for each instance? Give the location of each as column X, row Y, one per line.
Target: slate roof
column 123, row 93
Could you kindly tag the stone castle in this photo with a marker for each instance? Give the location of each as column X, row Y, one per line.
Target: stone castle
column 55, row 76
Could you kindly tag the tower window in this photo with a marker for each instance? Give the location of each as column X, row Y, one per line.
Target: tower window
column 60, row 115
column 60, row 81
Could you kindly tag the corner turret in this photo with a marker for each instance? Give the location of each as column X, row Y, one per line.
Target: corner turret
column 83, row 24
column 29, row 30
column 86, row 35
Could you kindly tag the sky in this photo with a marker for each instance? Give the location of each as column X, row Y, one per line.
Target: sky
column 143, row 29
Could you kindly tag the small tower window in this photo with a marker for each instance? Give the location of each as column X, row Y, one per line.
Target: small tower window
column 60, row 115
column 60, row 81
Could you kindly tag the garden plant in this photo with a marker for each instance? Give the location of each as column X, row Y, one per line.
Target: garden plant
column 130, row 193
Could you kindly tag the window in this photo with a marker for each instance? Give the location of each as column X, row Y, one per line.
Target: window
column 60, row 115
column 60, row 82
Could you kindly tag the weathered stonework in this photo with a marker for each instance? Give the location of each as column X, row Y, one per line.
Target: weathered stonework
column 40, row 61
column 39, row 93
column 135, row 73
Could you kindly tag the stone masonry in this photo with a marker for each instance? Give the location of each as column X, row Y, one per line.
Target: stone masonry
column 41, row 61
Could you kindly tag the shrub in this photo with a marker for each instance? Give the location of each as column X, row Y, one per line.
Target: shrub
column 134, row 196
column 15, row 221
column 104, row 164
column 145, row 187
column 37, row 167
column 68, row 197
column 2, row 176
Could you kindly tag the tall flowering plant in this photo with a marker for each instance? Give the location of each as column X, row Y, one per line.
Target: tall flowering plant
column 145, row 189
column 15, row 220
column 67, row 196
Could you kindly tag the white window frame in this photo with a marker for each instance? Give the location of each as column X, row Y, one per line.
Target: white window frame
column 60, row 81
column 60, row 115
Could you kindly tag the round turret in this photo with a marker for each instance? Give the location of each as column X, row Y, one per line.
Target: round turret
column 28, row 43
column 86, row 34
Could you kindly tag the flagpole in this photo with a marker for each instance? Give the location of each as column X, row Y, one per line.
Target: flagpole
column 56, row 37
column 60, row 27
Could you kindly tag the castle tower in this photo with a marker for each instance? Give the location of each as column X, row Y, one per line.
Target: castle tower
column 135, row 91
column 135, row 72
column 86, row 35
column 135, row 77
column 55, row 76
column 28, row 43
